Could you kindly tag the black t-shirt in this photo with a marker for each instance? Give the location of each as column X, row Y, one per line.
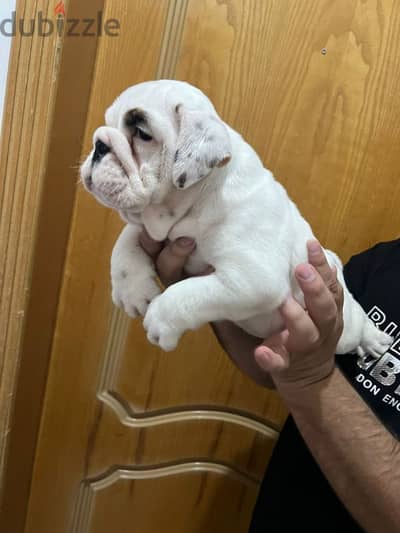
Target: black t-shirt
column 294, row 494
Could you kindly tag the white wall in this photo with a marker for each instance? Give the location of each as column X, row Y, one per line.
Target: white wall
column 6, row 7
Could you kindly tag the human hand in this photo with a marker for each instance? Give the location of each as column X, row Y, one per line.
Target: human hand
column 304, row 352
column 169, row 257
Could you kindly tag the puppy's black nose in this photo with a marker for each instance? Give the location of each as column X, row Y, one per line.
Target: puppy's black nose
column 182, row 180
column 101, row 150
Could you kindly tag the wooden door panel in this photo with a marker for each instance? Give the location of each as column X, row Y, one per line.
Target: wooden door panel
column 167, row 499
column 133, row 439
column 85, row 307
column 118, row 439
column 162, row 381
column 115, row 402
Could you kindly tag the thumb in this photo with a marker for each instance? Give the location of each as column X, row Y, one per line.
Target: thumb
column 172, row 260
column 272, row 355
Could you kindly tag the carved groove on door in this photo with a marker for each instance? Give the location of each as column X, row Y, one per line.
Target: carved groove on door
column 246, row 420
column 119, row 325
column 89, row 489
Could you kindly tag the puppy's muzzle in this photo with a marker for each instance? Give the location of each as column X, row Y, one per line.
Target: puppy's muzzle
column 111, row 173
column 101, row 149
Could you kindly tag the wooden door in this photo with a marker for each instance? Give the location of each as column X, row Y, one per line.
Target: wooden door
column 136, row 440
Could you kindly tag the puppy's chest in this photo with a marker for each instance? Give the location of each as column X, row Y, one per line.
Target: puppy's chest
column 162, row 221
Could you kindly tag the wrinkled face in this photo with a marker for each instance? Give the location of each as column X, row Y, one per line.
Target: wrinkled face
column 159, row 136
column 123, row 170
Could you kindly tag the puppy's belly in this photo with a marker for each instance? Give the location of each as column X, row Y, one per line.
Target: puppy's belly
column 262, row 325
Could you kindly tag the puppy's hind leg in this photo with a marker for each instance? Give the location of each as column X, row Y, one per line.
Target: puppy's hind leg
column 359, row 332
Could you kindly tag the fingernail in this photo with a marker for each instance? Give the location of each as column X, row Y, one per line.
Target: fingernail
column 314, row 247
column 185, row 242
column 305, row 272
column 266, row 352
column 263, row 357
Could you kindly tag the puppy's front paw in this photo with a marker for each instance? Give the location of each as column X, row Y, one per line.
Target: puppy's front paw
column 133, row 293
column 161, row 328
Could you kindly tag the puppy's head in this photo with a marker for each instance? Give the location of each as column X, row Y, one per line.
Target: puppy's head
column 175, row 138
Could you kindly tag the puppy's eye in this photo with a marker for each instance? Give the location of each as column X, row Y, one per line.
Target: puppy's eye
column 143, row 135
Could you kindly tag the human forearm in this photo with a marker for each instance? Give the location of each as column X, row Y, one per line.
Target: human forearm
column 240, row 348
column 360, row 459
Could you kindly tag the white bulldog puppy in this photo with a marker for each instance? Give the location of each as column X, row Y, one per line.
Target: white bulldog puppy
column 166, row 160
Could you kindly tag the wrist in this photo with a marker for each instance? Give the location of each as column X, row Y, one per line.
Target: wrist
column 294, row 386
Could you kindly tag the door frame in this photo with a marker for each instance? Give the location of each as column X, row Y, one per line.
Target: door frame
column 35, row 233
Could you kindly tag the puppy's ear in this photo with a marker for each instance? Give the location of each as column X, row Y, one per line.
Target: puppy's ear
column 203, row 144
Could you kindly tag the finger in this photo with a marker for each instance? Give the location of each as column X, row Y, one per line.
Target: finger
column 272, row 355
column 269, row 360
column 303, row 332
column 320, row 302
column 317, row 258
column 172, row 260
column 149, row 245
